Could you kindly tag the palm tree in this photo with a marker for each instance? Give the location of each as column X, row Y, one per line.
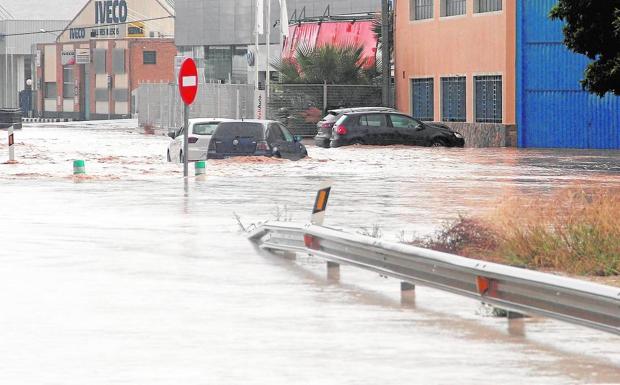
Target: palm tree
column 326, row 64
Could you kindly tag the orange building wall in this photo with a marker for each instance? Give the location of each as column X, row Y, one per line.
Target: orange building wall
column 466, row 45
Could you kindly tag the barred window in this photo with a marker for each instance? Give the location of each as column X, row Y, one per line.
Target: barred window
column 421, row 9
column 422, row 99
column 453, row 99
column 149, row 57
column 67, row 82
column 454, row 7
column 487, row 5
column 488, row 91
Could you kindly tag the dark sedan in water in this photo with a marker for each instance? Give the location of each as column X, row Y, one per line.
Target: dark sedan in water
column 385, row 128
column 324, row 127
column 254, row 138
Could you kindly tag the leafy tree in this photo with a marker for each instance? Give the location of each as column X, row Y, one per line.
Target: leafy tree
column 593, row 29
column 325, row 64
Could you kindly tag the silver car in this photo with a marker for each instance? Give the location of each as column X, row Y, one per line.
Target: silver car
column 200, row 131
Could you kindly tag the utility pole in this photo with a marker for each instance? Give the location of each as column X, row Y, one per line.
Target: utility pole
column 385, row 51
column 267, row 46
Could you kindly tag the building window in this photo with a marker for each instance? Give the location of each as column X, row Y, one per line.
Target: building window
column 422, row 99
column 421, row 9
column 149, row 57
column 50, row 90
column 67, row 82
column 487, row 5
column 488, row 94
column 453, row 107
column 100, row 61
column 240, row 65
column 102, row 94
column 219, row 63
column 118, row 61
column 453, row 7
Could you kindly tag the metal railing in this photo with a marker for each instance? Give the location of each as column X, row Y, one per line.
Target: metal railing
column 514, row 289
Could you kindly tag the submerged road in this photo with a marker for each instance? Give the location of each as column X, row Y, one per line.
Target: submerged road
column 129, row 276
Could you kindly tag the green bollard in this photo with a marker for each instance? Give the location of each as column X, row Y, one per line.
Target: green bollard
column 79, row 167
column 200, row 167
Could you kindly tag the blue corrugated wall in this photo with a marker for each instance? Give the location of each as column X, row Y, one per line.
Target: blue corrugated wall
column 552, row 108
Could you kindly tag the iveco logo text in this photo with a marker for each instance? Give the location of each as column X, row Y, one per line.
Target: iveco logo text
column 77, row 33
column 110, row 11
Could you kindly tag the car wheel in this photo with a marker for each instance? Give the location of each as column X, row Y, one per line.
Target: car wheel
column 357, row 141
column 439, row 142
column 168, row 156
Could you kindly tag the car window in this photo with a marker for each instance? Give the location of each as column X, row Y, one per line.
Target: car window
column 400, row 121
column 287, row 135
column 275, row 133
column 330, row 118
column 373, row 120
column 341, row 120
column 239, row 129
column 204, row 128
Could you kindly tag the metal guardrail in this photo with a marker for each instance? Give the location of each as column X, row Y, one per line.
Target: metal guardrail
column 514, row 289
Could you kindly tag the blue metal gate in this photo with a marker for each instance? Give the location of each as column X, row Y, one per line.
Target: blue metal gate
column 552, row 108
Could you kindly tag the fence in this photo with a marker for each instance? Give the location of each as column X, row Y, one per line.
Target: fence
column 298, row 106
column 301, row 106
column 160, row 107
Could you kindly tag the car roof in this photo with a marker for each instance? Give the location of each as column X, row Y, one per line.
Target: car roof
column 393, row 112
column 359, row 109
column 259, row 121
column 208, row 120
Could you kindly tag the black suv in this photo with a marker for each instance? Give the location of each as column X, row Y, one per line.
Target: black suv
column 324, row 127
column 387, row 128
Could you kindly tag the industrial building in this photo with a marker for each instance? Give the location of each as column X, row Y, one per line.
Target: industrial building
column 499, row 71
column 225, row 42
column 17, row 40
column 102, row 56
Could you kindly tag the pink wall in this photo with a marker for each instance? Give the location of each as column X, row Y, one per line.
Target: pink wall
column 465, row 45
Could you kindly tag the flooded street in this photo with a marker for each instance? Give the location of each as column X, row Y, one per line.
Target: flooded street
column 128, row 276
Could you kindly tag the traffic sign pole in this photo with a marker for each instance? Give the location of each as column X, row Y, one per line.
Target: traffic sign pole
column 186, row 140
column 188, row 87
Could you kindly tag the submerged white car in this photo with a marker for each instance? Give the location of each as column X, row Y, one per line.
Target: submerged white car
column 200, row 131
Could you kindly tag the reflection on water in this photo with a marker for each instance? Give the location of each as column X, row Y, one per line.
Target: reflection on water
column 135, row 276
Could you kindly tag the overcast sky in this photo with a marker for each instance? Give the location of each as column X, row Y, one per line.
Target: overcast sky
column 43, row 9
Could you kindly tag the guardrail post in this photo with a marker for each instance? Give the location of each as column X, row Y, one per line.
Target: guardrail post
column 320, row 203
column 407, row 294
column 11, row 144
column 516, row 324
column 333, row 271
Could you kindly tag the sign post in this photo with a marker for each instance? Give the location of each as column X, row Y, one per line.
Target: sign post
column 188, row 87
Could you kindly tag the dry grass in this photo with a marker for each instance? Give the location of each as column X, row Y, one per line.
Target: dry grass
column 576, row 231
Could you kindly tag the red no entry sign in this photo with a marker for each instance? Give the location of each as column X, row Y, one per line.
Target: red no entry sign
column 188, row 81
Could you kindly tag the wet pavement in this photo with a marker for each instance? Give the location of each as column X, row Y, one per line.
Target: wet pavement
column 129, row 276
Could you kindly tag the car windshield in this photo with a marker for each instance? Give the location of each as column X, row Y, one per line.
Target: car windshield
column 236, row 129
column 287, row 135
column 204, row 128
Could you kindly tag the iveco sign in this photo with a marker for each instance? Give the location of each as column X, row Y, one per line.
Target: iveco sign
column 110, row 11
